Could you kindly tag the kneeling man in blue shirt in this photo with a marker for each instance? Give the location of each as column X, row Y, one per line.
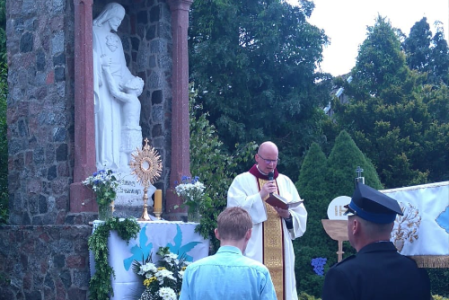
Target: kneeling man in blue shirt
column 228, row 274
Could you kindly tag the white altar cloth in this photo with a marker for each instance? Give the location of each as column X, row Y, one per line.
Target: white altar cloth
column 180, row 237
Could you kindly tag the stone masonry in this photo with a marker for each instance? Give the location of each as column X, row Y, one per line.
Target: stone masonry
column 43, row 250
column 44, row 262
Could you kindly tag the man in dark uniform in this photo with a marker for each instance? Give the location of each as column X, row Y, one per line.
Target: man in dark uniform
column 377, row 271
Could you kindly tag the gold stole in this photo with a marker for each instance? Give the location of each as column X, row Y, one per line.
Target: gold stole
column 273, row 246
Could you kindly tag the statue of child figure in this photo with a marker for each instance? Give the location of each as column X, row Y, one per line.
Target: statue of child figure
column 131, row 133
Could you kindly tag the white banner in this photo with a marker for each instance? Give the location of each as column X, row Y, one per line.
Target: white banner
column 423, row 230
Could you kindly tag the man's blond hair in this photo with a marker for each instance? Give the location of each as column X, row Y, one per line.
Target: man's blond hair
column 233, row 223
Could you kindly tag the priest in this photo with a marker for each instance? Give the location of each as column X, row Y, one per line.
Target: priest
column 274, row 228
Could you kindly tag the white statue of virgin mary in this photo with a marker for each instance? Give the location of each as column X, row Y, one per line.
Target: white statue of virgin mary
column 108, row 49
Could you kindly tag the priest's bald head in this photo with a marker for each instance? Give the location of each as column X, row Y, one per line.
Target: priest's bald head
column 267, row 157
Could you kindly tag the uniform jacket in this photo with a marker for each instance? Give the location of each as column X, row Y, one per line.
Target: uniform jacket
column 377, row 272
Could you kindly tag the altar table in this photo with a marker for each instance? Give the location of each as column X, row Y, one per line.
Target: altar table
column 180, row 237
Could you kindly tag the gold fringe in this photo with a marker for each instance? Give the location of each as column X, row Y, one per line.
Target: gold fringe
column 431, row 261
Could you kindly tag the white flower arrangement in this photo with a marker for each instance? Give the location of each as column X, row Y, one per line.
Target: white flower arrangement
column 167, row 294
column 191, row 190
column 104, row 183
column 162, row 282
column 147, row 270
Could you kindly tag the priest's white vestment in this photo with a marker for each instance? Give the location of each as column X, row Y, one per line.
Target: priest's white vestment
column 244, row 192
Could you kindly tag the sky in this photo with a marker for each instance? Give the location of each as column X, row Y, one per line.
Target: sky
column 345, row 22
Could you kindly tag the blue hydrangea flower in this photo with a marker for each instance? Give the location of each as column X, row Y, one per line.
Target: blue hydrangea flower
column 318, row 265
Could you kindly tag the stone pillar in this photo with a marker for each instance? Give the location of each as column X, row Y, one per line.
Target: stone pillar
column 82, row 199
column 180, row 136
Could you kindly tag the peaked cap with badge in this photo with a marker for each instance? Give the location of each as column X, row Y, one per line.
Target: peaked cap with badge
column 372, row 205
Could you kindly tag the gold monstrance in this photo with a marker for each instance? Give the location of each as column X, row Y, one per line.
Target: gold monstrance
column 147, row 166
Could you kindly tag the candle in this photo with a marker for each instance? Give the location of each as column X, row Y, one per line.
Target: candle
column 158, row 200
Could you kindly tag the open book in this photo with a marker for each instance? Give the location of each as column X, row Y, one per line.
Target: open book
column 276, row 200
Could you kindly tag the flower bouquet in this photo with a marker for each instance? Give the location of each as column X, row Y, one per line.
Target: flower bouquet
column 318, row 265
column 104, row 183
column 191, row 190
column 164, row 281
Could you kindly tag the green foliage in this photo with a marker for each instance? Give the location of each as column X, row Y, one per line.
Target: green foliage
column 4, row 279
column 343, row 160
column 215, row 167
column 380, row 61
column 315, row 242
column 310, row 181
column 305, row 296
column 253, row 63
column 439, row 71
column 439, row 279
column 428, row 54
column 100, row 287
column 389, row 114
column 417, row 46
column 437, row 297
column 435, row 139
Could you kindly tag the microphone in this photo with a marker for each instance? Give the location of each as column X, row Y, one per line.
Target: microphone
column 270, row 178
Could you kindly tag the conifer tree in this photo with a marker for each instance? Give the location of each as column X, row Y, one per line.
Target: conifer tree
column 343, row 160
column 417, row 46
column 342, row 163
column 428, row 54
column 315, row 243
column 439, row 64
